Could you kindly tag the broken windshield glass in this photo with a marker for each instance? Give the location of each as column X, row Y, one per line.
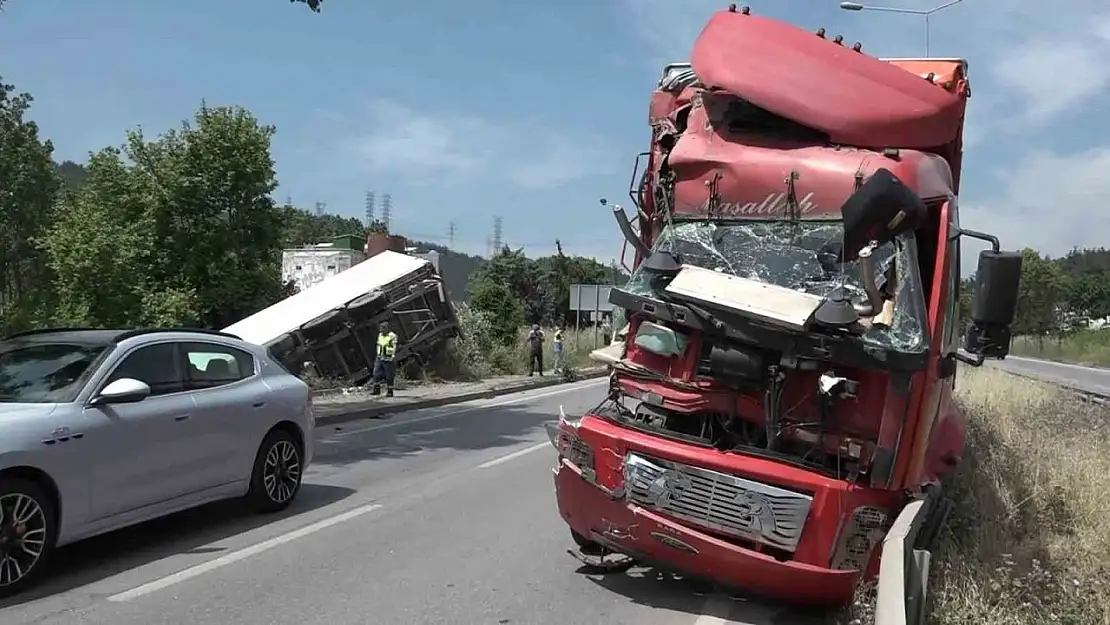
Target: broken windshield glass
column 801, row 256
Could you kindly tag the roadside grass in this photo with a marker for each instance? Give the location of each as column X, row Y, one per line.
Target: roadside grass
column 477, row 355
column 1086, row 347
column 1029, row 539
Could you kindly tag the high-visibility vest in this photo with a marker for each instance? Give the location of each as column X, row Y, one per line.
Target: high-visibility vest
column 387, row 344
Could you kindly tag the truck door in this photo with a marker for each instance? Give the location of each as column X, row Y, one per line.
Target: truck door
column 944, row 303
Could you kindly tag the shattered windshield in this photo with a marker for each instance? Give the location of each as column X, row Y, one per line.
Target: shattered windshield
column 802, row 256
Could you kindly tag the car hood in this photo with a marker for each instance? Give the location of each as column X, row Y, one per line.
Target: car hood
column 12, row 412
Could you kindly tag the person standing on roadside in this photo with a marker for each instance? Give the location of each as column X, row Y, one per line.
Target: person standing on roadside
column 383, row 360
column 557, row 349
column 535, row 349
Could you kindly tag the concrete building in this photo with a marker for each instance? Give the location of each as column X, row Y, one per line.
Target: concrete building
column 309, row 265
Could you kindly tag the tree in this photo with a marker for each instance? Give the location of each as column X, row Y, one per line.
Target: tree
column 1039, row 294
column 304, row 228
column 524, row 278
column 29, row 187
column 184, row 233
column 563, row 271
column 503, row 309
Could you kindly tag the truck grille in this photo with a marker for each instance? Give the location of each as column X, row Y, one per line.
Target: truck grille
column 719, row 502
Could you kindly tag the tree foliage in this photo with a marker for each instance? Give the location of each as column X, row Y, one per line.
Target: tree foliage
column 178, row 230
column 29, row 186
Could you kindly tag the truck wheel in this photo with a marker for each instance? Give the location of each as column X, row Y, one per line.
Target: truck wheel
column 28, row 533
column 276, row 478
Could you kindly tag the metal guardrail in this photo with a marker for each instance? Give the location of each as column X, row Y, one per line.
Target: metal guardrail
column 903, row 570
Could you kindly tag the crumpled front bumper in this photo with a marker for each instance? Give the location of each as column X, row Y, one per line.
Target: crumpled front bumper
column 655, row 540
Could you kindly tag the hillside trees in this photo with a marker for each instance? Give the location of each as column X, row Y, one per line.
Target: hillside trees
column 29, row 185
column 177, row 230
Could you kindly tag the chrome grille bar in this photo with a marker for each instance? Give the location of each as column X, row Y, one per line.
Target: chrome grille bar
column 719, row 502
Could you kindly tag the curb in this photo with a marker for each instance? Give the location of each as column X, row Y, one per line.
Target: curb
column 375, row 412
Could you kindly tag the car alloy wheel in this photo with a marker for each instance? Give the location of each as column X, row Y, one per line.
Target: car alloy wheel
column 281, row 473
column 22, row 536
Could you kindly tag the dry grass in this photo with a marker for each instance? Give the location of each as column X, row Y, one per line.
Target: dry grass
column 1086, row 347
column 1029, row 541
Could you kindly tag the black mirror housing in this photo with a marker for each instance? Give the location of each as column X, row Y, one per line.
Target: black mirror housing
column 997, row 278
column 880, row 210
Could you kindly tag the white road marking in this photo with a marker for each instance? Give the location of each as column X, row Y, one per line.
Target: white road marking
column 242, row 554
column 1053, row 363
column 451, row 413
column 514, row 455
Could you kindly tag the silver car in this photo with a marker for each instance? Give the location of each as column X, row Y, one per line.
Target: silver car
column 101, row 429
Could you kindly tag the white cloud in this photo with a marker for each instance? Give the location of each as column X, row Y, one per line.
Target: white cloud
column 440, row 145
column 1048, row 201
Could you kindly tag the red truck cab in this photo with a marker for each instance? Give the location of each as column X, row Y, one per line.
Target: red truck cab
column 785, row 385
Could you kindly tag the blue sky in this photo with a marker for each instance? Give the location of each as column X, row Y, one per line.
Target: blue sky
column 532, row 111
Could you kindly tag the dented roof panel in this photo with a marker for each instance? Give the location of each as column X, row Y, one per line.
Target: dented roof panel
column 855, row 98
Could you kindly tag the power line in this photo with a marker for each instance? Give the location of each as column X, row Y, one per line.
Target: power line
column 369, row 208
column 387, row 210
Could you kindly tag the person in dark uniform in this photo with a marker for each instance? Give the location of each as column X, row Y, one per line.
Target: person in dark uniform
column 384, row 369
column 535, row 348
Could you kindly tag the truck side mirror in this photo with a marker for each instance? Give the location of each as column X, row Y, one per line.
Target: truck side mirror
column 995, row 301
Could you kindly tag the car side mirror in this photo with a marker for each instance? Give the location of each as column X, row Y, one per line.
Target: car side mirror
column 881, row 209
column 122, row 391
column 997, row 277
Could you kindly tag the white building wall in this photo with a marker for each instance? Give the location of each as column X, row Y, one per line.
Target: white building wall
column 308, row 267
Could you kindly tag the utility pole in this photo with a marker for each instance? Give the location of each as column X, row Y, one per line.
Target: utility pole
column 927, row 13
column 497, row 235
column 369, row 208
column 451, row 235
column 387, row 210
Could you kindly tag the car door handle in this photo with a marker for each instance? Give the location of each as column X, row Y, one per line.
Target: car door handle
column 183, row 417
column 258, row 404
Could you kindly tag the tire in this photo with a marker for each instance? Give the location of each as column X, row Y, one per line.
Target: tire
column 272, row 489
column 39, row 530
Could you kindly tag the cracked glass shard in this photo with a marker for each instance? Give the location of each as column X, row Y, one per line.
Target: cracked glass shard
column 801, row 256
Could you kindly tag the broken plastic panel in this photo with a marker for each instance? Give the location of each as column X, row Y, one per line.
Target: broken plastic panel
column 660, row 340
column 801, row 256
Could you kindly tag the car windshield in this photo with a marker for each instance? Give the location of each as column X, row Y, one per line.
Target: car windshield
column 41, row 373
column 801, row 256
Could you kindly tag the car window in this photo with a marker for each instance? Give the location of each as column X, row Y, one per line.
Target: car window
column 154, row 364
column 44, row 372
column 210, row 365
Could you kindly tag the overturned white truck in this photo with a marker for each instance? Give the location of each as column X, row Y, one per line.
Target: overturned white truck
column 333, row 325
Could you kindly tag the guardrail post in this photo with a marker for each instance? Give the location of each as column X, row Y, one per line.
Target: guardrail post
column 903, row 573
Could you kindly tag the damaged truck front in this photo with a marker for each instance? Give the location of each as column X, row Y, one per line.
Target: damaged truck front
column 785, row 384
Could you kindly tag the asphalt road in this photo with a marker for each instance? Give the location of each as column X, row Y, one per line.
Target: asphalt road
column 444, row 515
column 1089, row 379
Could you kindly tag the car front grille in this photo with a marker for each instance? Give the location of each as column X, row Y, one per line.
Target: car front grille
column 718, row 502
